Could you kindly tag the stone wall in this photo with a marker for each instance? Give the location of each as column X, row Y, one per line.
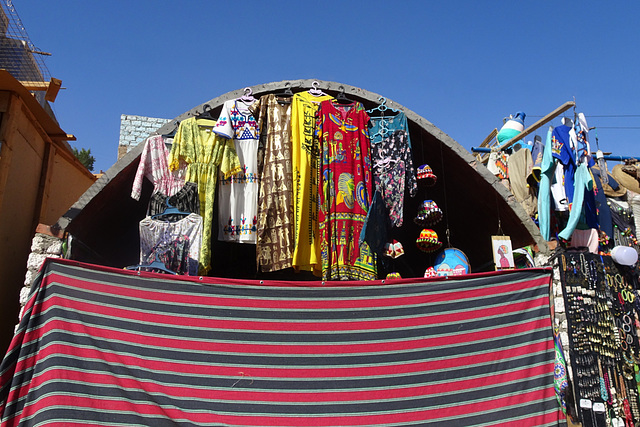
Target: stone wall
column 136, row 129
column 45, row 244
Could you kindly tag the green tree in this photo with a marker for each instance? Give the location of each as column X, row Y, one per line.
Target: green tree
column 85, row 157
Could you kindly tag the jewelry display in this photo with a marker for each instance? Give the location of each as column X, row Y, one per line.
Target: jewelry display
column 603, row 321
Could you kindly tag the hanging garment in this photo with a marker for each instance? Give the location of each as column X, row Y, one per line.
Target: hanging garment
column 305, row 162
column 345, row 191
column 185, row 200
column 562, row 150
column 602, row 208
column 583, row 184
column 376, row 225
column 537, row 151
column 206, row 155
column 547, row 172
column 560, row 379
column 520, row 165
column 274, row 242
column 560, row 200
column 382, row 127
column 497, row 164
column 154, row 166
column 238, row 194
column 585, row 239
column 393, row 172
column 176, row 244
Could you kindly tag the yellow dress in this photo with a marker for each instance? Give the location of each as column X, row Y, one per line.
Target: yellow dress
column 206, row 155
column 305, row 159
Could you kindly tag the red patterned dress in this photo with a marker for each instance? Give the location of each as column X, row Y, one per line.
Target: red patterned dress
column 344, row 190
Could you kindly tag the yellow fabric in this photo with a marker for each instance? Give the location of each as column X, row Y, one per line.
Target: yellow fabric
column 305, row 152
column 205, row 154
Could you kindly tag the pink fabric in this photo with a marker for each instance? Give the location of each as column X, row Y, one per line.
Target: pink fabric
column 585, row 238
column 153, row 165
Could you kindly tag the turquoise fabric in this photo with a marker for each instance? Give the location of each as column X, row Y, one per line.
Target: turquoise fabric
column 547, row 169
column 383, row 127
column 583, row 182
column 507, row 134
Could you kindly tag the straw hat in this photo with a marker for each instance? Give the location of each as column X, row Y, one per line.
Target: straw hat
column 608, row 190
column 625, row 179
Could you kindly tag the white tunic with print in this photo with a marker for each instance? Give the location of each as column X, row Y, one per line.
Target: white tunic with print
column 238, row 195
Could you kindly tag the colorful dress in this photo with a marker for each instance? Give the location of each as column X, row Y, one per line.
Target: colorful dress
column 274, row 243
column 206, row 155
column 176, row 244
column 393, row 172
column 238, row 194
column 153, row 165
column 305, row 160
column 345, row 191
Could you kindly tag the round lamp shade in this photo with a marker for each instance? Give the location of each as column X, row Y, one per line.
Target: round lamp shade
column 624, row 255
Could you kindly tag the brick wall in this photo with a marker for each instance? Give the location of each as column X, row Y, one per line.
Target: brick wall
column 136, row 129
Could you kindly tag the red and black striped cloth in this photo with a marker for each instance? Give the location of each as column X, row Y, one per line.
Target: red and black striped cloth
column 110, row 347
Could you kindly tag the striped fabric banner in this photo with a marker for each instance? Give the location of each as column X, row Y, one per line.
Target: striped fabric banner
column 102, row 346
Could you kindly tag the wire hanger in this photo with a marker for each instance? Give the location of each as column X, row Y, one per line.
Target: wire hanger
column 315, row 91
column 342, row 98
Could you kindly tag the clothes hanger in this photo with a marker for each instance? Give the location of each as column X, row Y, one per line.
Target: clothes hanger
column 383, row 124
column 315, row 91
column 342, row 98
column 248, row 97
column 170, row 210
column 172, row 133
column 153, row 265
column 206, row 113
column 286, row 93
column 382, row 107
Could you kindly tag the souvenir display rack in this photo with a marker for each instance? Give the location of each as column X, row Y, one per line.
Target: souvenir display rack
column 602, row 308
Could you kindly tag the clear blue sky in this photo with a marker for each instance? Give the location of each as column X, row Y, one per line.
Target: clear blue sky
column 463, row 65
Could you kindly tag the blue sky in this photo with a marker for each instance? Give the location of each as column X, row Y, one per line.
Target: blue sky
column 463, row 65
